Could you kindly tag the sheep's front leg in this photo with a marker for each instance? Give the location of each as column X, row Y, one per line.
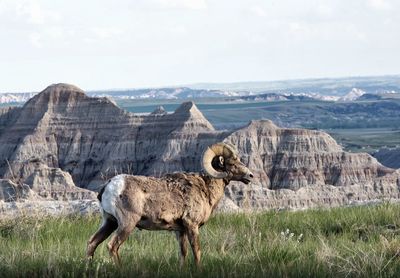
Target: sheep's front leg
column 193, row 234
column 183, row 245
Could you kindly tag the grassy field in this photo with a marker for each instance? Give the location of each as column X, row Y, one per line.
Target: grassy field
column 314, row 114
column 366, row 139
column 343, row 242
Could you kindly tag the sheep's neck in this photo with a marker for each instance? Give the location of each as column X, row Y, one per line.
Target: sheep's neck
column 216, row 191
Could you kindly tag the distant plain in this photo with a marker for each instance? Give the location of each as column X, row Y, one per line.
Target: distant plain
column 359, row 126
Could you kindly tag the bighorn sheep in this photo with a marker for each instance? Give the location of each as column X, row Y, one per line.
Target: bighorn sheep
column 180, row 202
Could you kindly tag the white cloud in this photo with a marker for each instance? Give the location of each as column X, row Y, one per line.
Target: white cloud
column 5, row 5
column 55, row 32
column 178, row 29
column 106, row 32
column 379, row 4
column 196, row 36
column 329, row 31
column 35, row 39
column 258, row 11
column 301, row 30
column 47, row 37
column 33, row 12
column 187, row 4
column 323, row 9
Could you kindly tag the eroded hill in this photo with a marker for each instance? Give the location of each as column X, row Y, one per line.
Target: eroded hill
column 92, row 139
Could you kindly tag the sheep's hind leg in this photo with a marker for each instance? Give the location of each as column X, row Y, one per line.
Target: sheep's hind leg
column 108, row 226
column 181, row 236
column 122, row 233
column 193, row 233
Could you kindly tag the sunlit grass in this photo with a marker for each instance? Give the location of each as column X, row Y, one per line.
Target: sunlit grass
column 343, row 242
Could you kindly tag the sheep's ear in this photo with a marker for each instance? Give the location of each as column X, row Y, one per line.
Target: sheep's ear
column 221, row 161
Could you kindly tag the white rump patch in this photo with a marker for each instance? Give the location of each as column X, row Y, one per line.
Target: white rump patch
column 111, row 194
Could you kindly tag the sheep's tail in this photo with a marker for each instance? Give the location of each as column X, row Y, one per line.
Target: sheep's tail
column 101, row 192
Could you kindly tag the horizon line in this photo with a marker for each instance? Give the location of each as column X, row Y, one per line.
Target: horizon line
column 193, row 84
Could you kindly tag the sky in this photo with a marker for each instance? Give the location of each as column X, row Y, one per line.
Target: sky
column 103, row 44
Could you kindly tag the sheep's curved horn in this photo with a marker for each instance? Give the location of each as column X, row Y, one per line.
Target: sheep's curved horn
column 213, row 151
column 232, row 148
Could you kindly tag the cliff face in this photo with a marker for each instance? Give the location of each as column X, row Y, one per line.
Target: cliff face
column 7, row 115
column 298, row 168
column 63, row 128
column 91, row 139
column 172, row 142
column 294, row 158
column 10, row 191
column 255, row 196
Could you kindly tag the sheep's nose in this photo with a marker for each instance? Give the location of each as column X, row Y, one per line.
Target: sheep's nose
column 251, row 175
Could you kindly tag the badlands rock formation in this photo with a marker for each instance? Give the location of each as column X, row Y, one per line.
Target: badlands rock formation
column 56, row 184
column 298, row 168
column 82, row 141
column 10, row 191
column 294, row 158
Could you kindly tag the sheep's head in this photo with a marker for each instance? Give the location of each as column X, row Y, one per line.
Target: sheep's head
column 221, row 161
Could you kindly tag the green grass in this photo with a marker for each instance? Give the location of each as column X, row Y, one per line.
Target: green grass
column 343, row 242
column 366, row 139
